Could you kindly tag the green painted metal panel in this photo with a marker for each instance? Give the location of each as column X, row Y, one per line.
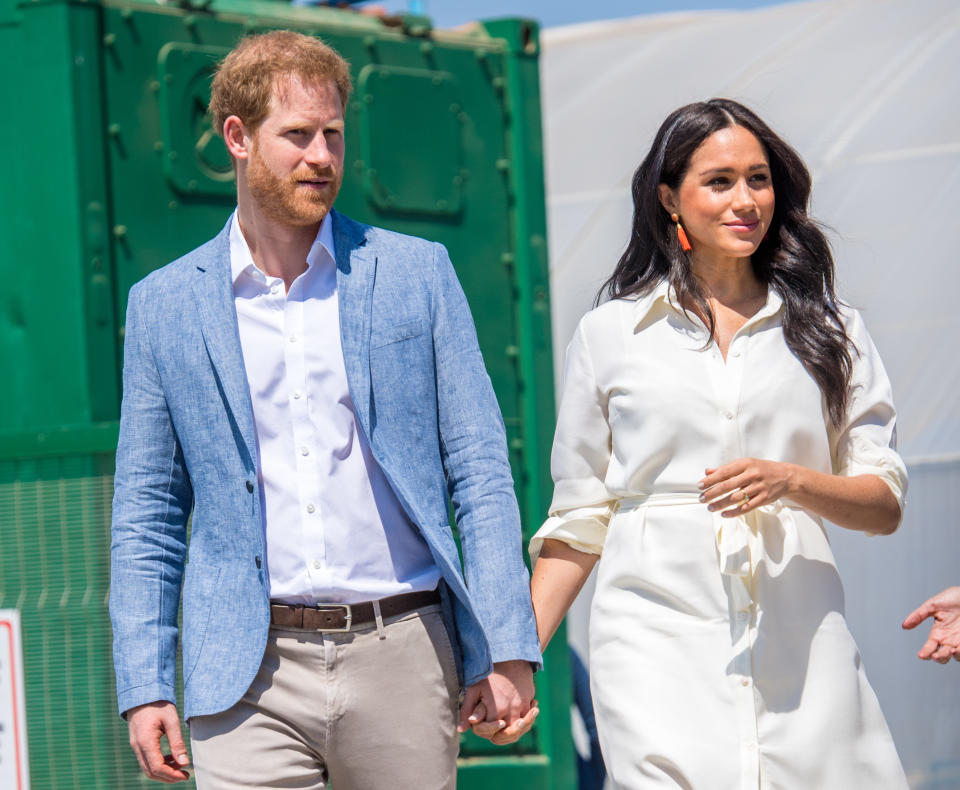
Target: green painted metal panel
column 443, row 141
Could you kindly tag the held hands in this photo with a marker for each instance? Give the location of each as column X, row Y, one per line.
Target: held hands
column 147, row 723
column 501, row 707
column 944, row 638
column 745, row 484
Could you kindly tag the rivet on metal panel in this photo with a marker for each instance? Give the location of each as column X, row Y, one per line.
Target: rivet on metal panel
column 109, row 39
column 497, row 83
column 358, row 165
column 503, row 164
column 192, row 185
column 113, row 130
column 512, row 351
column 189, row 21
column 119, row 231
column 173, row 205
column 454, row 108
column 158, row 146
column 125, row 14
column 426, row 48
column 516, row 444
column 369, row 42
column 481, row 54
column 155, row 86
column 168, row 78
column 507, row 259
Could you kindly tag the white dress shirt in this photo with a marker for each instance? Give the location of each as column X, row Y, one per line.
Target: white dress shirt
column 719, row 653
column 334, row 528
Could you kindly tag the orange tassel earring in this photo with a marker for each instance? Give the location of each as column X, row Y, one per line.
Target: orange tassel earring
column 681, row 234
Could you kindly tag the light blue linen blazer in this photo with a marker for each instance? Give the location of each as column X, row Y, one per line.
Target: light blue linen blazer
column 425, row 403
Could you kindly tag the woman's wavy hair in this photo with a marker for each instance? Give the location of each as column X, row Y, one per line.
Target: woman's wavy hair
column 794, row 258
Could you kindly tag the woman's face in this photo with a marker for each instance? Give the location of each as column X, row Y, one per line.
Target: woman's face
column 725, row 200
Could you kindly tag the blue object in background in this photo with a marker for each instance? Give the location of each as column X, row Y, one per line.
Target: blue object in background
column 591, row 772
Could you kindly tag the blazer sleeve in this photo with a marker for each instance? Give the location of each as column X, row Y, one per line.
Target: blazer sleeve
column 473, row 449
column 151, row 504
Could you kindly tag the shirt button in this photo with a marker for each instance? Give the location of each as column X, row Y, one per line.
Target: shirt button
column 304, row 451
column 736, row 353
column 297, row 394
column 311, row 507
column 317, row 564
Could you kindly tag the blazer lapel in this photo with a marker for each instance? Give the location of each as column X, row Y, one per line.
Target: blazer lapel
column 356, row 271
column 213, row 293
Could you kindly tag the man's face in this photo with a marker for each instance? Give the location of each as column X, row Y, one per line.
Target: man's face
column 295, row 166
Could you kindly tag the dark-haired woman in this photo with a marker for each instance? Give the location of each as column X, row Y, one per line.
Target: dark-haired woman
column 716, row 410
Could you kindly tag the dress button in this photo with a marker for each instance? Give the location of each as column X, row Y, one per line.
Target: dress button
column 304, row 451
column 297, row 394
column 317, row 564
column 249, row 487
column 311, row 507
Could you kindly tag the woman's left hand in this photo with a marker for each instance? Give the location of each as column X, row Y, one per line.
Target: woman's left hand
column 745, row 484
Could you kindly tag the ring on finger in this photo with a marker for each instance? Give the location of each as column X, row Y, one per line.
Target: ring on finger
column 746, row 498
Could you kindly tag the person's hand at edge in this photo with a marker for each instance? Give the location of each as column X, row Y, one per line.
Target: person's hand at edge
column 943, row 640
column 147, row 725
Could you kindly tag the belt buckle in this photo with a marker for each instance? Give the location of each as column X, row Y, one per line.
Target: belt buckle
column 332, row 607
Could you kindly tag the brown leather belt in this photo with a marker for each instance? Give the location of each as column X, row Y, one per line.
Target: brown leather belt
column 344, row 616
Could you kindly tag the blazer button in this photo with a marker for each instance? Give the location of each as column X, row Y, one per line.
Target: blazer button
column 249, row 487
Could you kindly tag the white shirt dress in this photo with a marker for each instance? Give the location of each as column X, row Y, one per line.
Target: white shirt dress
column 720, row 658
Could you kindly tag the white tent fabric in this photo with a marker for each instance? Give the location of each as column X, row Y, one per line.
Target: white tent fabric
column 867, row 91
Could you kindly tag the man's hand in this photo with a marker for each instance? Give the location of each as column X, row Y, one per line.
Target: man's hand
column 147, row 723
column 501, row 707
column 944, row 638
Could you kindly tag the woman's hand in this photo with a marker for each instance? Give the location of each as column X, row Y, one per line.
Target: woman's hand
column 745, row 484
column 862, row 502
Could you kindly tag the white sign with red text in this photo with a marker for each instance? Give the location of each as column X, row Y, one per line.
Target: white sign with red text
column 14, row 772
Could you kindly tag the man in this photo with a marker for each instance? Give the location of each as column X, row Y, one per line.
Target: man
column 312, row 388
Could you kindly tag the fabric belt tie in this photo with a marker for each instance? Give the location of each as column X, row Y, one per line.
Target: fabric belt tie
column 738, row 540
column 346, row 617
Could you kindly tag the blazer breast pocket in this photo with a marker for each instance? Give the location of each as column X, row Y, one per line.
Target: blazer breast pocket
column 385, row 336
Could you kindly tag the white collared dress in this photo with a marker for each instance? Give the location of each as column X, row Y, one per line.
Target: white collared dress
column 720, row 657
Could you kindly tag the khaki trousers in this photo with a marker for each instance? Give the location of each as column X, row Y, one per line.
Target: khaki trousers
column 349, row 710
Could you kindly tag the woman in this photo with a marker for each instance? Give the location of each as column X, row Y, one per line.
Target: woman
column 715, row 411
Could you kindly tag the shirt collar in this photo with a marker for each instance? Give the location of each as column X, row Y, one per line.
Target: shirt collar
column 242, row 261
column 665, row 294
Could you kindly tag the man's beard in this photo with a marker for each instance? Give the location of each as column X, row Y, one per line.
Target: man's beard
column 284, row 200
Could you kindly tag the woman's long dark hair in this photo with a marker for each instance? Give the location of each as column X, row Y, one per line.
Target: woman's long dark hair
column 794, row 258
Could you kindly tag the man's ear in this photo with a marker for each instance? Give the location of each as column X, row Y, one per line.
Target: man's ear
column 667, row 199
column 236, row 137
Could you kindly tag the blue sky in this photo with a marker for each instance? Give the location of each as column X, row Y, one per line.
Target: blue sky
column 449, row 13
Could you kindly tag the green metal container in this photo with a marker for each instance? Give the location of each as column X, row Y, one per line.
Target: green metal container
column 112, row 170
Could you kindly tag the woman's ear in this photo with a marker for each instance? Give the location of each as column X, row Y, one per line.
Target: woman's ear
column 667, row 199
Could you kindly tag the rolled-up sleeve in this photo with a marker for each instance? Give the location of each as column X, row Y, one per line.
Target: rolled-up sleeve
column 582, row 504
column 867, row 442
